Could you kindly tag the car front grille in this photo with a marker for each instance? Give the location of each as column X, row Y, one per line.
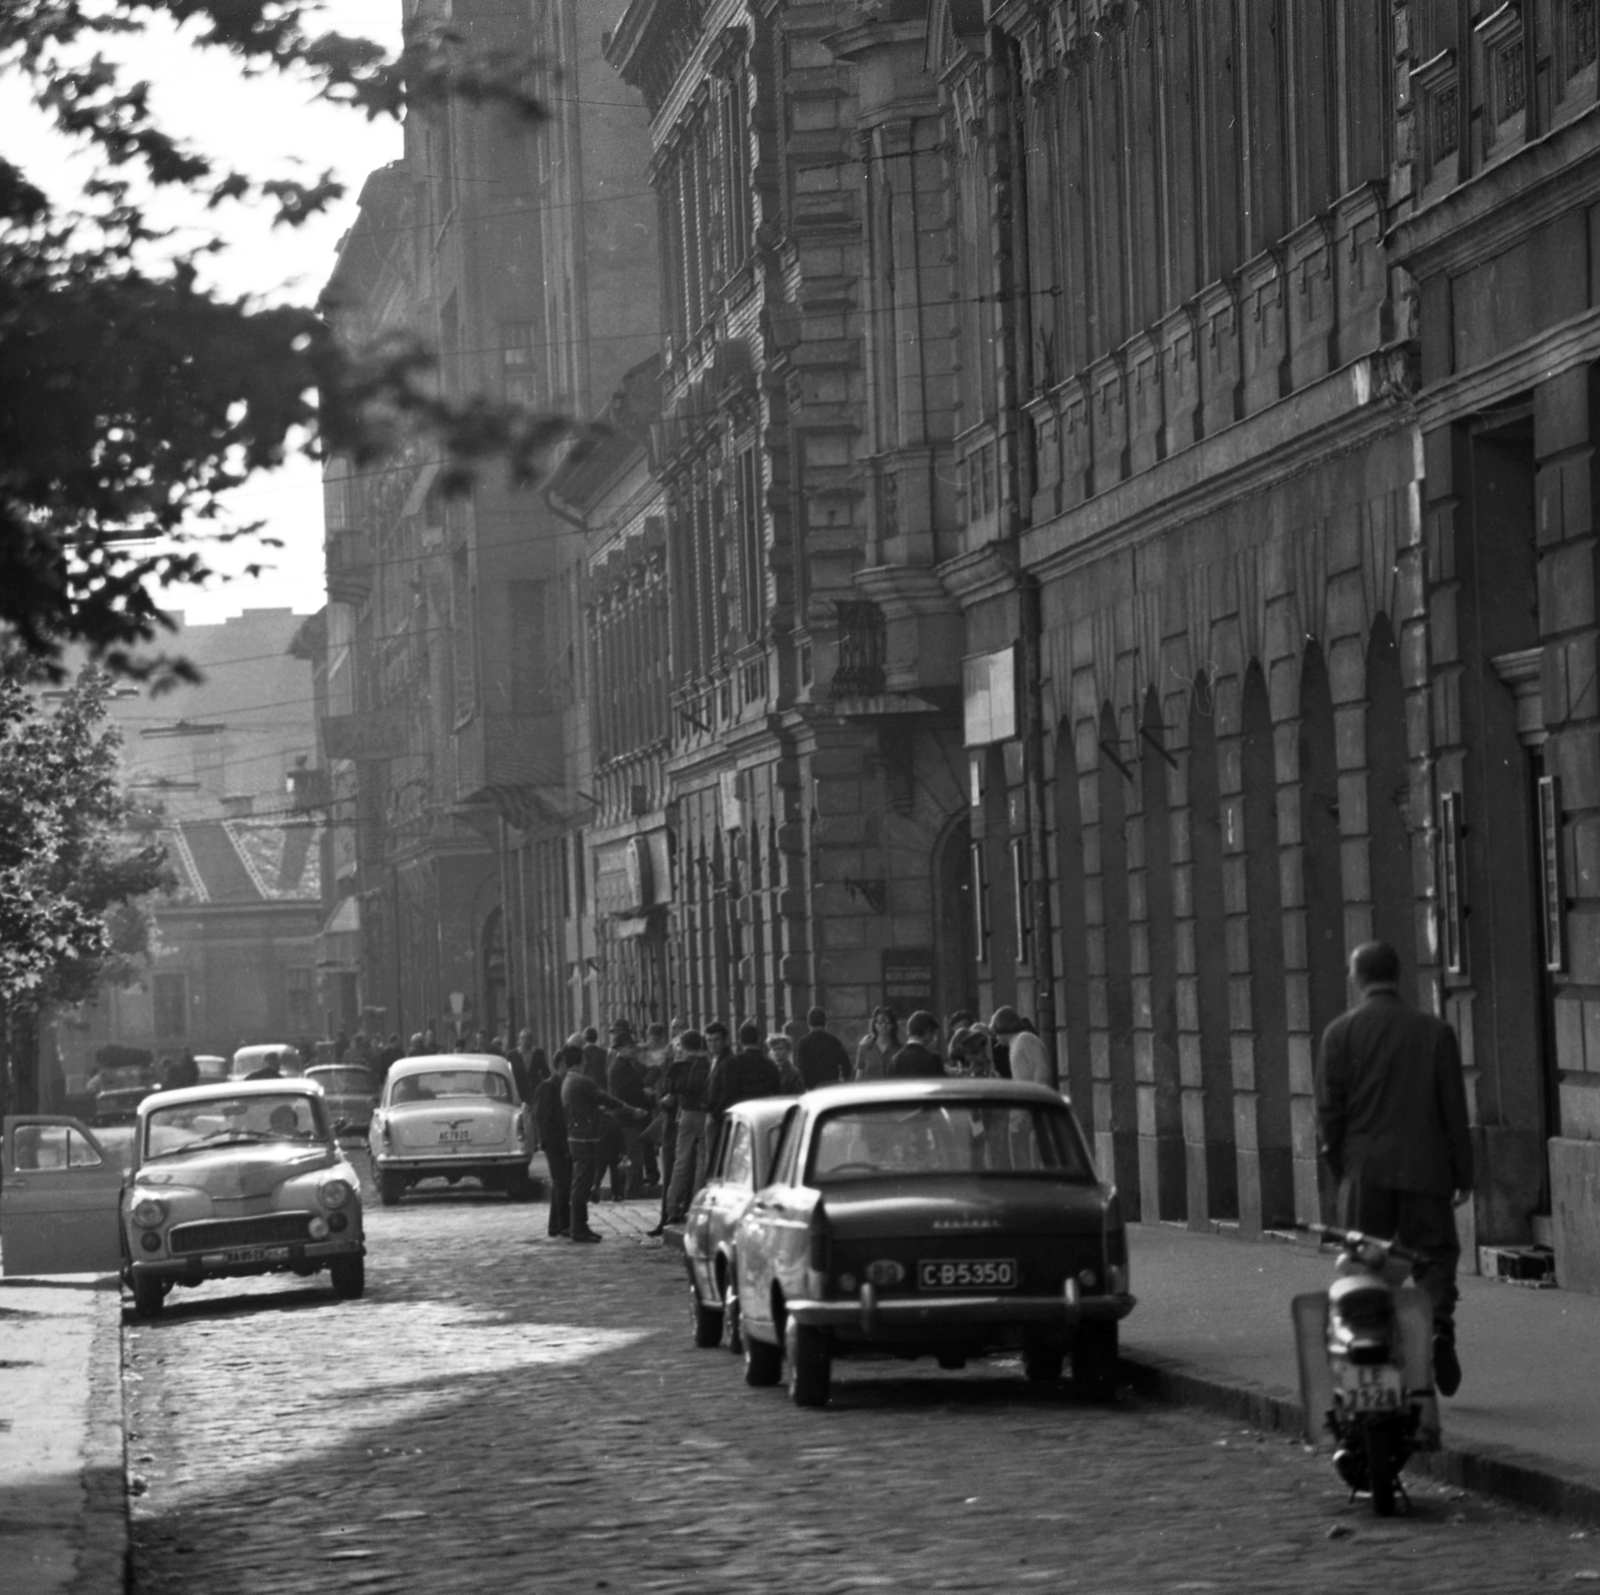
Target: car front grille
column 271, row 1229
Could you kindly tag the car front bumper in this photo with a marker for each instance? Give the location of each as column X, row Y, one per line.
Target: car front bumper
column 872, row 1316
column 228, row 1263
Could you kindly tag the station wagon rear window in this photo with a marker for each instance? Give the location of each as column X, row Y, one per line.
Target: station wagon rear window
column 437, row 1083
column 890, row 1140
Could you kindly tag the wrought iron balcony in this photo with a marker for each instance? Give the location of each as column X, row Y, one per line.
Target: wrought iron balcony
column 861, row 650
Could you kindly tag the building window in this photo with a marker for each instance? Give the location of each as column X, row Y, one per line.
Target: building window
column 170, row 1001
column 519, row 381
column 463, row 638
column 1022, row 889
column 1501, row 40
column 297, row 1001
column 530, row 636
column 980, row 902
column 1436, row 89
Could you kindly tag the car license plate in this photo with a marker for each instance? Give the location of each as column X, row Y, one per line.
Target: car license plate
column 453, row 1136
column 989, row 1273
column 1370, row 1389
column 249, row 1254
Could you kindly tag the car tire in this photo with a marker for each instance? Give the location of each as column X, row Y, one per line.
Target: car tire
column 148, row 1295
column 730, row 1318
column 705, row 1321
column 1042, row 1361
column 391, row 1187
column 1094, row 1362
column 349, row 1277
column 763, row 1363
column 810, row 1364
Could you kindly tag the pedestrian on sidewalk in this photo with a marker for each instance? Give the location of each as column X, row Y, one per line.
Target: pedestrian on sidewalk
column 688, row 1080
column 1027, row 1058
column 780, row 1048
column 1392, row 1109
column 625, row 1074
column 550, row 1130
column 919, row 1059
column 879, row 1045
column 747, row 1073
column 586, row 1106
column 819, row 1054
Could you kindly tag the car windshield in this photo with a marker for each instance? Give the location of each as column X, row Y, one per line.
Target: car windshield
column 888, row 1140
column 124, row 1079
column 220, row 1121
column 435, row 1083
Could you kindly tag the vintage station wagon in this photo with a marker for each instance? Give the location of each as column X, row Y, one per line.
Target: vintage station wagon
column 943, row 1218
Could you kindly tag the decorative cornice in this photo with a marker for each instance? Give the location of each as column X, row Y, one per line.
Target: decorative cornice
column 1510, row 199
column 1516, row 370
column 1347, row 409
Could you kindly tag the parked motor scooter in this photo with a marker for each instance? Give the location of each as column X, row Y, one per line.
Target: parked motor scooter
column 1365, row 1349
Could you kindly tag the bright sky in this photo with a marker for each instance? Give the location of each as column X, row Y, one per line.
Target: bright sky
column 266, row 127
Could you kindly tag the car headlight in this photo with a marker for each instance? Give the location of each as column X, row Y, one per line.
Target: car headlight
column 149, row 1211
column 334, row 1193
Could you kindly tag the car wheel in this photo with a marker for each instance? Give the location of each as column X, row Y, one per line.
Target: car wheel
column 810, row 1364
column 707, row 1321
column 763, row 1363
column 1042, row 1361
column 349, row 1276
column 391, row 1187
column 1094, row 1362
column 730, row 1317
column 148, row 1295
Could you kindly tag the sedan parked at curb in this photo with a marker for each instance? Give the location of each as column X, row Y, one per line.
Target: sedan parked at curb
column 740, row 1164
column 351, row 1095
column 944, row 1218
column 227, row 1180
column 453, row 1115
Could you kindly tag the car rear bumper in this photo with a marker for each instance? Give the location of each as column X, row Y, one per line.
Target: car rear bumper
column 458, row 1163
column 872, row 1316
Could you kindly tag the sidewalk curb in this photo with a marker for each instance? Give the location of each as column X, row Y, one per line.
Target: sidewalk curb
column 1509, row 1475
column 105, row 1566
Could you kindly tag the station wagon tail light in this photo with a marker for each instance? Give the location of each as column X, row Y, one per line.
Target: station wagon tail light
column 820, row 1238
column 334, row 1193
column 886, row 1271
column 149, row 1211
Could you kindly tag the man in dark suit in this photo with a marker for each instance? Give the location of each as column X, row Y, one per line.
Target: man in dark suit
column 820, row 1055
column 1392, row 1105
column 550, row 1130
column 917, row 1059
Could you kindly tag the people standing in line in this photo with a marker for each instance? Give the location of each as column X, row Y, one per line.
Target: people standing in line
column 819, row 1054
column 550, row 1131
column 780, row 1048
column 688, row 1080
column 919, row 1057
column 586, row 1107
column 1392, row 1110
column 1027, row 1056
column 747, row 1073
column 879, row 1045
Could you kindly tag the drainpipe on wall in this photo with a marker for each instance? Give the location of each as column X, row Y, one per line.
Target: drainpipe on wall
column 1030, row 604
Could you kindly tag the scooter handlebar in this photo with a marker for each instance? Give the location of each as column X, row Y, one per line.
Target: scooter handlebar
column 1356, row 1240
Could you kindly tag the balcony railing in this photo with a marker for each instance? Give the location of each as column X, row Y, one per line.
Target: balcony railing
column 861, row 650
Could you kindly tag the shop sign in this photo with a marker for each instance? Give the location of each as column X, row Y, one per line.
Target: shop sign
column 989, row 697
column 908, row 980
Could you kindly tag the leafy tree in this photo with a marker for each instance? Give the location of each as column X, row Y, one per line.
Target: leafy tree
column 132, row 399
column 74, row 889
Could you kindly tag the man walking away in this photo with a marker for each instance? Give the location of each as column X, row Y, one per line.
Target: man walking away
column 918, row 1058
column 821, row 1055
column 585, row 1105
column 550, row 1130
column 688, row 1078
column 748, row 1073
column 1392, row 1108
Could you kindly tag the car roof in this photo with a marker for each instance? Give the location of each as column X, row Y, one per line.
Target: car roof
column 259, row 1049
column 450, row 1060
column 218, row 1089
column 759, row 1112
column 954, row 1088
column 329, row 1068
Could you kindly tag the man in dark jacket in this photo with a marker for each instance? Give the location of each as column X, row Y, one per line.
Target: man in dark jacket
column 917, row 1059
column 687, row 1080
column 748, row 1073
column 625, row 1080
column 820, row 1055
column 1392, row 1106
column 585, row 1106
column 550, row 1130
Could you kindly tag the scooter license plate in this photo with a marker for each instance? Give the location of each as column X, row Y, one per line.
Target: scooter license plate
column 1370, row 1389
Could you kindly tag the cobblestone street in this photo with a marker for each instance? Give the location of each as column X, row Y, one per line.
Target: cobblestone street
column 506, row 1412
